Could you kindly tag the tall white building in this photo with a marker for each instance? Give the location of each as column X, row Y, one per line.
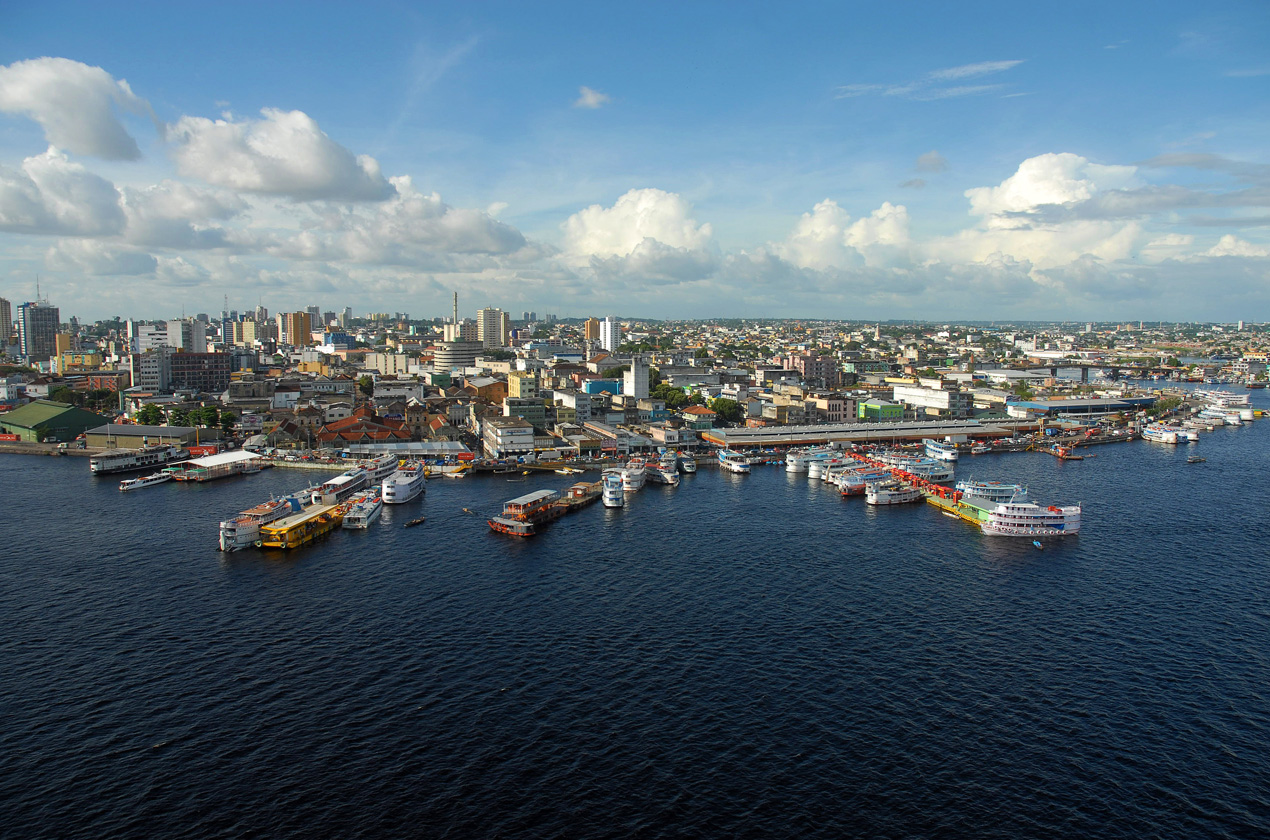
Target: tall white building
column 610, row 333
column 464, row 330
column 188, row 334
column 635, row 379
column 493, row 326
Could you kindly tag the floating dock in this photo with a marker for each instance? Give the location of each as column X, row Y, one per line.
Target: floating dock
column 301, row 528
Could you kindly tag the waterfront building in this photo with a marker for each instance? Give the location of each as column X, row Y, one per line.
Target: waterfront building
column 45, row 420
column 134, row 436
column 504, row 437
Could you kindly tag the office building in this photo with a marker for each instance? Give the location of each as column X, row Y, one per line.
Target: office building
column 493, row 326
column 37, row 330
column 610, row 334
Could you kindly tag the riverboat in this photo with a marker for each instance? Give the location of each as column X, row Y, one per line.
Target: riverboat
column 302, row 528
column 989, row 494
column 146, row 481
column 613, row 495
column 891, row 491
column 940, row 450
column 128, row 460
column 408, row 482
column 1025, row 519
column 243, row 530
column 733, row 461
column 688, row 463
column 634, row 475
column 363, row 510
column 341, row 487
column 380, row 468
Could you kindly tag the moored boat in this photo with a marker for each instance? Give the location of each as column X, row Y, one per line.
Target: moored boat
column 733, row 461
column 891, row 491
column 243, row 530
column 613, row 497
column 127, row 460
column 341, row 487
column 363, row 510
column 145, row 481
column 688, row 463
column 989, row 494
column 522, row 516
column 1026, row 519
column 633, row 476
column 409, row 481
column 940, row 450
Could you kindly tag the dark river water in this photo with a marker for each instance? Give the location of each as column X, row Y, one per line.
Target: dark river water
column 741, row 656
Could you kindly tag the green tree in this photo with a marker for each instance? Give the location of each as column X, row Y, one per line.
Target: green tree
column 1022, row 391
column 728, row 410
column 178, row 417
column 66, row 395
column 614, row 372
column 227, row 421
column 702, row 353
column 366, row 385
column 150, row 415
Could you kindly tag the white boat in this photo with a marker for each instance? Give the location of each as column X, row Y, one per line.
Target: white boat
column 891, row 491
column 688, row 463
column 633, row 476
column 854, row 482
column 612, row 497
column 408, row 482
column 365, row 510
column 1025, row 519
column 126, row 460
column 940, row 450
column 341, row 487
column 920, row 466
column 666, row 471
column 980, row 449
column 380, row 468
column 1159, row 434
column 733, row 461
column 146, row 481
column 243, row 530
column 800, row 460
column 989, row 494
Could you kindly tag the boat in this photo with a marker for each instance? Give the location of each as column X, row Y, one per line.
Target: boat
column 296, row 530
column 613, row 495
column 940, row 450
column 733, row 461
column 380, row 468
column 891, row 491
column 1159, row 434
column 363, row 510
column 243, row 530
column 341, row 487
column 688, row 463
column 522, row 516
column 127, row 460
column 853, row 483
column 989, row 494
column 633, row 476
column 413, row 522
column 409, row 481
column 980, row 449
column 1026, row 519
column 147, row 481
column 800, row 460
column 664, row 472
column 1038, row 543
column 1195, row 459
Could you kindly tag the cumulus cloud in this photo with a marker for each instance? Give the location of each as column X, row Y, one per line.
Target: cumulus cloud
column 175, row 215
column 638, row 215
column 285, row 153
column 827, row 238
column 76, row 105
column 50, row 194
column 1232, row 246
column 1050, row 179
column 590, row 98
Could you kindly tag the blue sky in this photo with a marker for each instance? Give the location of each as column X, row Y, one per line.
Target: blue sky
column 934, row 161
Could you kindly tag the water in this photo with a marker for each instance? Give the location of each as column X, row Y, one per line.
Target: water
column 741, row 656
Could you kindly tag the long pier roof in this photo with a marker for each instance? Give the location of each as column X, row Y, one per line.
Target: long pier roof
column 853, row 432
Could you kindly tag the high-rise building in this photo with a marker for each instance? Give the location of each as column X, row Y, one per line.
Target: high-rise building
column 262, row 314
column 37, row 330
column 188, row 334
column 464, row 330
column 493, row 327
column 346, row 317
column 295, row 328
column 6, row 322
column 610, row 334
column 591, row 329
column 635, row 379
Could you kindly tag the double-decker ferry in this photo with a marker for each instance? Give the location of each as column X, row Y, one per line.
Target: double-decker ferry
column 341, row 487
column 633, row 476
column 243, row 530
column 614, row 496
column 363, row 510
column 733, row 461
column 381, row 467
column 989, row 494
column 408, row 482
column 127, row 460
column 1025, row 519
column 940, row 450
column 891, row 491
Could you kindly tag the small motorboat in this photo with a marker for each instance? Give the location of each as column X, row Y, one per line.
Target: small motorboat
column 1195, row 459
column 1037, row 543
column 414, row 522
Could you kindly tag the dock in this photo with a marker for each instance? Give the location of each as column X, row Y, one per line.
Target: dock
column 301, row 528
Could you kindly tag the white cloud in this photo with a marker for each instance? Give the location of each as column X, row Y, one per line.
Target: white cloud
column 971, row 71
column 175, row 215
column 1232, row 246
column 75, row 104
column 98, row 259
column 589, row 98
column 934, row 85
column 285, row 154
column 1049, row 179
column 638, row 215
column 827, row 238
column 50, row 194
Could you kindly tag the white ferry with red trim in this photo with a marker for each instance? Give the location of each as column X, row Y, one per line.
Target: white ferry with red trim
column 1025, row 519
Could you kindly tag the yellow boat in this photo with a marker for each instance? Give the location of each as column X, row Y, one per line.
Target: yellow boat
column 302, row 528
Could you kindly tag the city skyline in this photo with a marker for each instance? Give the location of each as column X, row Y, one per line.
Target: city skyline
column 715, row 161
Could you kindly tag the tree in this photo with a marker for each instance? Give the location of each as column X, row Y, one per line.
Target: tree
column 614, row 372
column 728, row 410
column 63, row 394
column 227, row 421
column 702, row 353
column 1022, row 391
column 150, row 415
column 366, row 385
column 178, row 417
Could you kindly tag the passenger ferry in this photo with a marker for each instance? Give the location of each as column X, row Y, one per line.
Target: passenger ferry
column 302, row 528
column 147, row 481
column 891, row 491
column 633, row 476
column 341, row 487
column 127, row 460
column 522, row 516
column 800, row 460
column 243, row 530
column 989, row 494
column 853, row 483
column 688, row 463
column 363, row 510
column 1025, row 519
column 381, row 467
column 613, row 495
column 408, row 482
column 940, row 450
column 927, row 468
column 665, row 471
column 733, row 461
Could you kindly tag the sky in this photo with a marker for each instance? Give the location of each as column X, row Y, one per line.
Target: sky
column 1075, row 161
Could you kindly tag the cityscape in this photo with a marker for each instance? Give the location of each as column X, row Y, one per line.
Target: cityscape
column 713, row 420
